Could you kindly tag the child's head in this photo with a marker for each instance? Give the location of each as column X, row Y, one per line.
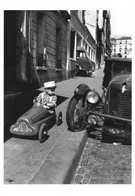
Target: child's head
column 50, row 87
column 50, row 90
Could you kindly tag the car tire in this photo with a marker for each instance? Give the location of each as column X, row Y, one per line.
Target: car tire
column 70, row 113
column 89, row 74
column 77, row 70
column 59, row 119
column 43, row 133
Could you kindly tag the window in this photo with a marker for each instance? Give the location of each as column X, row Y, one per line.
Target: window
column 86, row 47
column 89, row 51
column 72, row 44
column 41, row 56
column 81, row 54
column 58, row 47
column 11, row 48
column 41, row 60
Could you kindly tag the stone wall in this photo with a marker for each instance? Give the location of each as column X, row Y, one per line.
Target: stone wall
column 49, row 37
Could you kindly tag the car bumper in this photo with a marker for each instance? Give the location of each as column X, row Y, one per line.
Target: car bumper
column 116, row 132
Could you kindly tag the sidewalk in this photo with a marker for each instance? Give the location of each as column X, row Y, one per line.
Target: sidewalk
column 26, row 161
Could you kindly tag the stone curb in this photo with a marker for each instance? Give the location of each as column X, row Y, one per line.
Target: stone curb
column 60, row 165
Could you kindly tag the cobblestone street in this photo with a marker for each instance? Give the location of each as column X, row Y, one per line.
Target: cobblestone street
column 104, row 163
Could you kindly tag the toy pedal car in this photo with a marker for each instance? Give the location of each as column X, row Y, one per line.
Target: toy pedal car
column 37, row 120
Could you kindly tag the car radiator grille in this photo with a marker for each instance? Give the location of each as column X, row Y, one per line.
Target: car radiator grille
column 120, row 103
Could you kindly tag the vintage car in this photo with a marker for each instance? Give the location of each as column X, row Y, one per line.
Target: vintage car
column 87, row 109
column 84, row 66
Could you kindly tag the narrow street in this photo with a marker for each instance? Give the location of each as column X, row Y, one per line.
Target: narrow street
column 100, row 162
column 23, row 157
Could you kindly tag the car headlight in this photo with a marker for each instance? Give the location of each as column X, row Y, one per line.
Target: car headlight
column 92, row 97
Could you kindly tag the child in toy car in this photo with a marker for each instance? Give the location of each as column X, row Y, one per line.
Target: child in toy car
column 41, row 116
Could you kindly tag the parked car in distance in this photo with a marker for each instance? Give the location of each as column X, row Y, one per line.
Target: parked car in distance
column 84, row 65
column 87, row 108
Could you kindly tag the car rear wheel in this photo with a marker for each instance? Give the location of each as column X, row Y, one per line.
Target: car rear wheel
column 43, row 133
column 93, row 68
column 59, row 119
column 77, row 70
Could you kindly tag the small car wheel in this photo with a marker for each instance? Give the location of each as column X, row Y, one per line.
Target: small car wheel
column 93, row 69
column 90, row 74
column 73, row 113
column 77, row 70
column 43, row 133
column 59, row 119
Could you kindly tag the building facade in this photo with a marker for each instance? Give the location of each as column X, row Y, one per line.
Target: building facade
column 35, row 47
column 107, row 32
column 79, row 36
column 103, row 36
column 52, row 48
column 121, row 46
column 39, row 46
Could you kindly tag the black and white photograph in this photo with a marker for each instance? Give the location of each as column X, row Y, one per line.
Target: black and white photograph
column 67, row 107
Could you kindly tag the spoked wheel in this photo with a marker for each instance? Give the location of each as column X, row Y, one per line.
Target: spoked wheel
column 43, row 133
column 74, row 113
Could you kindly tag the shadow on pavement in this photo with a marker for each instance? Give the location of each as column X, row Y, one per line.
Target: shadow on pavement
column 61, row 99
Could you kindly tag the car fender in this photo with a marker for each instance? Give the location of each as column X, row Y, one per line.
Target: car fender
column 81, row 89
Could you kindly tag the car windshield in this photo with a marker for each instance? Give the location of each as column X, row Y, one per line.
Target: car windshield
column 81, row 54
column 115, row 66
column 119, row 66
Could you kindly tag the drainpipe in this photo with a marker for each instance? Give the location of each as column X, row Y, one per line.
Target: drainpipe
column 75, row 44
column 23, row 25
column 68, row 48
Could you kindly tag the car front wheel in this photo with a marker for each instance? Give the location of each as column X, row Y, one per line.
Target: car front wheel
column 74, row 113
